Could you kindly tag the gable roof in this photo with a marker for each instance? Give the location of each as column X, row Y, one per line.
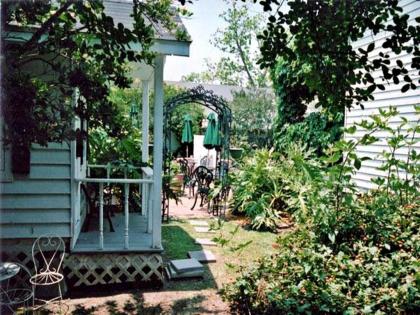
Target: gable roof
column 121, row 10
column 166, row 41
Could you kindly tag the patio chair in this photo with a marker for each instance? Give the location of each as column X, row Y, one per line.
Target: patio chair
column 16, row 291
column 203, row 177
column 187, row 169
column 204, row 161
column 48, row 254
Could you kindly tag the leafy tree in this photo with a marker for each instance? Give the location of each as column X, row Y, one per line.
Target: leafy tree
column 71, row 44
column 291, row 93
column 239, row 44
column 314, row 36
column 316, row 132
column 253, row 114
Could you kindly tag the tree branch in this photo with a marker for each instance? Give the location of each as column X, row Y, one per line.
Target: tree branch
column 44, row 27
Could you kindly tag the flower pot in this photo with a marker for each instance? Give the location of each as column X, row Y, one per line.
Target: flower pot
column 236, row 153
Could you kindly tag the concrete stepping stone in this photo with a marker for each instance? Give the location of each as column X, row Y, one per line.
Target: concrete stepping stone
column 186, row 265
column 173, row 274
column 205, row 241
column 198, row 223
column 202, row 255
column 203, row 229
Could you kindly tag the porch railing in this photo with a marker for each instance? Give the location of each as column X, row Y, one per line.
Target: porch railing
column 146, row 185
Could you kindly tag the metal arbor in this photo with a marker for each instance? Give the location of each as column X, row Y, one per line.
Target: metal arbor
column 199, row 95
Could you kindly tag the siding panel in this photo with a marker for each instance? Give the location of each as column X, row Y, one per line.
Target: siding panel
column 34, row 187
column 31, row 216
column 392, row 96
column 34, row 230
column 50, row 172
column 39, row 203
column 43, row 201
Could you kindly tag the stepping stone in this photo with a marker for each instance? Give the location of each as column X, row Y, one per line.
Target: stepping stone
column 172, row 274
column 198, row 223
column 202, row 255
column 205, row 241
column 203, row 229
column 186, row 265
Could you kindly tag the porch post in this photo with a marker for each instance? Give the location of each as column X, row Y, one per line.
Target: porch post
column 157, row 151
column 145, row 122
column 145, row 143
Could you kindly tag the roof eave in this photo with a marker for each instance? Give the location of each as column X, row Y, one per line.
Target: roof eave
column 160, row 46
column 171, row 47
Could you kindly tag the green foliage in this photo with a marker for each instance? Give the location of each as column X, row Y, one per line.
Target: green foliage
column 253, row 114
column 74, row 45
column 238, row 42
column 317, row 132
column 291, row 93
column 176, row 122
column 314, row 37
column 124, row 146
column 351, row 252
column 268, row 184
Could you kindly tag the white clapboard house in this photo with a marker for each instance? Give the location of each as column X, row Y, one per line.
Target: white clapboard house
column 49, row 200
column 391, row 96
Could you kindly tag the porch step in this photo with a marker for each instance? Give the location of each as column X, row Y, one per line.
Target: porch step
column 202, row 256
column 186, row 265
column 173, row 274
column 205, row 241
column 184, row 268
column 198, row 223
column 203, row 229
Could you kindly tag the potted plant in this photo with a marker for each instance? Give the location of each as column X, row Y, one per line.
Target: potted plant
column 176, row 172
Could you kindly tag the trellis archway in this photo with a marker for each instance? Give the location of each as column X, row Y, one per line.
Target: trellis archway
column 199, row 95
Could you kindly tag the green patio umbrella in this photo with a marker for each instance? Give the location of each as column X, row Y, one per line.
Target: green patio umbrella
column 210, row 137
column 218, row 140
column 187, row 133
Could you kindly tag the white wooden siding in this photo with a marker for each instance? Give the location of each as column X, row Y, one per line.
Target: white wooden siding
column 392, row 96
column 39, row 203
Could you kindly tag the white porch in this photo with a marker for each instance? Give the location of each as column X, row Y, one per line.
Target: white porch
column 139, row 239
column 134, row 232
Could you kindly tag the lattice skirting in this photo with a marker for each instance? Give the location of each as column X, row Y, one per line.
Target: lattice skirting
column 98, row 269
column 83, row 270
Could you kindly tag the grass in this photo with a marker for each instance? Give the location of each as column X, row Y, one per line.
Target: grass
column 179, row 237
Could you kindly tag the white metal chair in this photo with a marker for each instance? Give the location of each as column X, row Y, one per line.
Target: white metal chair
column 15, row 290
column 48, row 254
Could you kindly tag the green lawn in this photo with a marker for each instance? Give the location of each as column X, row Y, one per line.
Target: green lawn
column 178, row 238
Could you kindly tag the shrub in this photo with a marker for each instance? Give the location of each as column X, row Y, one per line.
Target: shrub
column 351, row 253
column 316, row 131
column 268, row 184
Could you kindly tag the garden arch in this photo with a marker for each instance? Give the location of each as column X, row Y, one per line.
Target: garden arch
column 199, row 95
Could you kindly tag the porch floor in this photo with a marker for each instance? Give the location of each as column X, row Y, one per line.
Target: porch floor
column 138, row 238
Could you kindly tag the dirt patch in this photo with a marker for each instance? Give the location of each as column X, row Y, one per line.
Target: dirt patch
column 147, row 302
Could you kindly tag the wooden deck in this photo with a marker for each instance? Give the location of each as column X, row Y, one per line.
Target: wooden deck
column 139, row 239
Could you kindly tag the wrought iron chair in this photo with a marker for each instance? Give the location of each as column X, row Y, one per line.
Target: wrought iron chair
column 203, row 177
column 48, row 254
column 187, row 169
column 16, row 291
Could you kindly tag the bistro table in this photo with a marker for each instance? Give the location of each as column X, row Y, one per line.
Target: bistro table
column 15, row 289
column 8, row 270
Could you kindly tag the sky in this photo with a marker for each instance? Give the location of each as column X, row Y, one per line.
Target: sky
column 201, row 26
